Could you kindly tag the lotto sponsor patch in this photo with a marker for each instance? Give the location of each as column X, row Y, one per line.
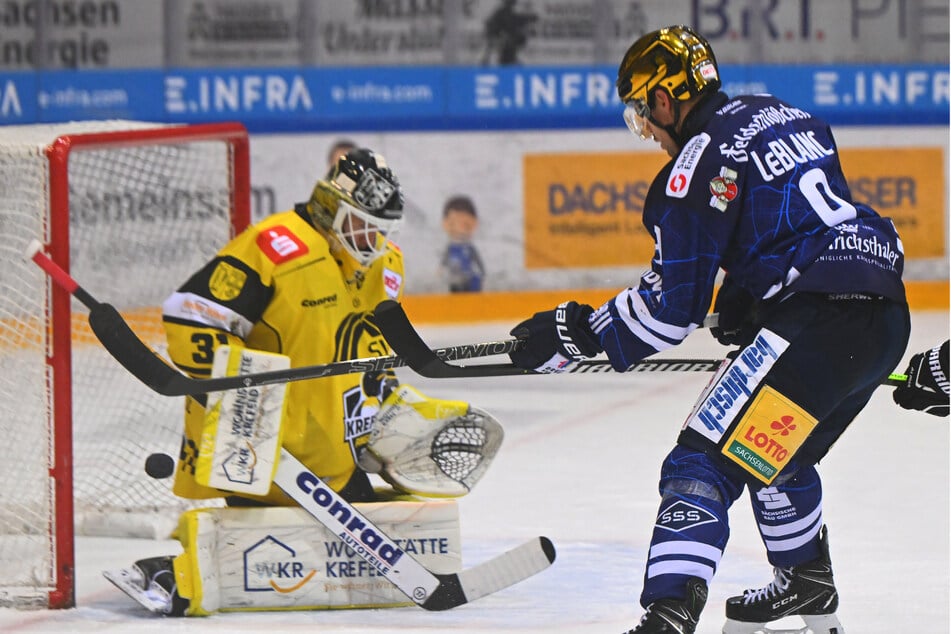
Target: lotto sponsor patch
column 768, row 435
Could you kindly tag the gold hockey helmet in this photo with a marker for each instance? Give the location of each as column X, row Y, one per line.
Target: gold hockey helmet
column 360, row 201
column 675, row 58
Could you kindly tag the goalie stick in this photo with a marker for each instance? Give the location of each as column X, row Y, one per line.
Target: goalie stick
column 429, row 590
column 143, row 363
column 403, row 338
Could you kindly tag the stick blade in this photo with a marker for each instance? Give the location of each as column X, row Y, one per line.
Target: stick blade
column 124, row 345
column 496, row 574
column 405, row 341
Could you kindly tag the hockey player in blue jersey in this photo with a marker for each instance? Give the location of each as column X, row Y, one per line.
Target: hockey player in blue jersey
column 812, row 299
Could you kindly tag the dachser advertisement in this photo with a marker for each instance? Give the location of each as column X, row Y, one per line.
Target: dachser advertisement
column 586, row 208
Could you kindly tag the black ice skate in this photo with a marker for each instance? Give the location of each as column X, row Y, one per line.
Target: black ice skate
column 806, row 590
column 151, row 582
column 674, row 616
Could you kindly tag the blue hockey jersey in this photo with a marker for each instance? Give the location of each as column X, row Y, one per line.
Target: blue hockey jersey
column 759, row 192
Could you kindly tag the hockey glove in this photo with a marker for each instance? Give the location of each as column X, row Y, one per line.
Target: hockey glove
column 380, row 384
column 927, row 387
column 431, row 447
column 555, row 338
column 736, row 308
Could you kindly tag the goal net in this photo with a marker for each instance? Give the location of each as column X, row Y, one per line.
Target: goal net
column 130, row 210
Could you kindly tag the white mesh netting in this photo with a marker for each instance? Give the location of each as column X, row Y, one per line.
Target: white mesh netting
column 142, row 218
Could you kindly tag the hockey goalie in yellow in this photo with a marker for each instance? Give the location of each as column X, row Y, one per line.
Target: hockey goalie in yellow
column 300, row 287
column 302, row 283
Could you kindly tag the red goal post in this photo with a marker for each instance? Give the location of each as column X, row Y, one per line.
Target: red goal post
column 131, row 209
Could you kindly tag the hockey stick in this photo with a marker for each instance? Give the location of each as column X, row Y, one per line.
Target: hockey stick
column 429, row 590
column 143, row 363
column 407, row 343
column 385, row 556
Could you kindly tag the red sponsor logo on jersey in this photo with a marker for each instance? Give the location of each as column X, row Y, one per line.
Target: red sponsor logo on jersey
column 677, row 182
column 392, row 282
column 723, row 188
column 280, row 245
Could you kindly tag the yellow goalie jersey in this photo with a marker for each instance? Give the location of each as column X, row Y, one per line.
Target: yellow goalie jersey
column 277, row 287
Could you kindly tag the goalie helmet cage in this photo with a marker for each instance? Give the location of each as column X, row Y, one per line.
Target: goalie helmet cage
column 131, row 209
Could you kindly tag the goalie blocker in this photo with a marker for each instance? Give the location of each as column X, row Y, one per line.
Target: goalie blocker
column 278, row 558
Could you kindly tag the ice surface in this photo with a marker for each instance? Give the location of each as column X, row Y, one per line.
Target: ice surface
column 579, row 464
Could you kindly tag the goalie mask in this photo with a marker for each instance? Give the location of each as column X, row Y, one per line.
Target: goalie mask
column 360, row 202
column 676, row 59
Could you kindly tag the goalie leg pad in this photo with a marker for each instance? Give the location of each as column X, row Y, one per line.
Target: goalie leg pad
column 278, row 558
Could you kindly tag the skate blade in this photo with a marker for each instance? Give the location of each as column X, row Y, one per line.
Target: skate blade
column 814, row 624
column 128, row 581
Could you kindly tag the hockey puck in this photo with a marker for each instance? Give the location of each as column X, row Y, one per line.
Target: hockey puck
column 159, row 466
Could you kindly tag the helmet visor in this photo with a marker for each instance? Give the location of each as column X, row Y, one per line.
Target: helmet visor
column 363, row 235
column 637, row 116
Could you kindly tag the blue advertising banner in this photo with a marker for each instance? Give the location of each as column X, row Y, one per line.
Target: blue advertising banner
column 238, row 94
column 18, row 98
column 282, row 99
column 289, row 99
column 72, row 95
column 536, row 97
column 853, row 94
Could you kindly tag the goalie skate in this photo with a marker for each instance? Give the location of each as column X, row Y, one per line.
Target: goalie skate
column 806, row 591
column 151, row 583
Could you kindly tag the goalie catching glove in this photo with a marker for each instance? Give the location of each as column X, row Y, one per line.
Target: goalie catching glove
column 430, row 447
column 554, row 339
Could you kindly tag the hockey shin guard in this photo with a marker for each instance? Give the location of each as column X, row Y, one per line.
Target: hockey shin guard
column 789, row 517
column 692, row 525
